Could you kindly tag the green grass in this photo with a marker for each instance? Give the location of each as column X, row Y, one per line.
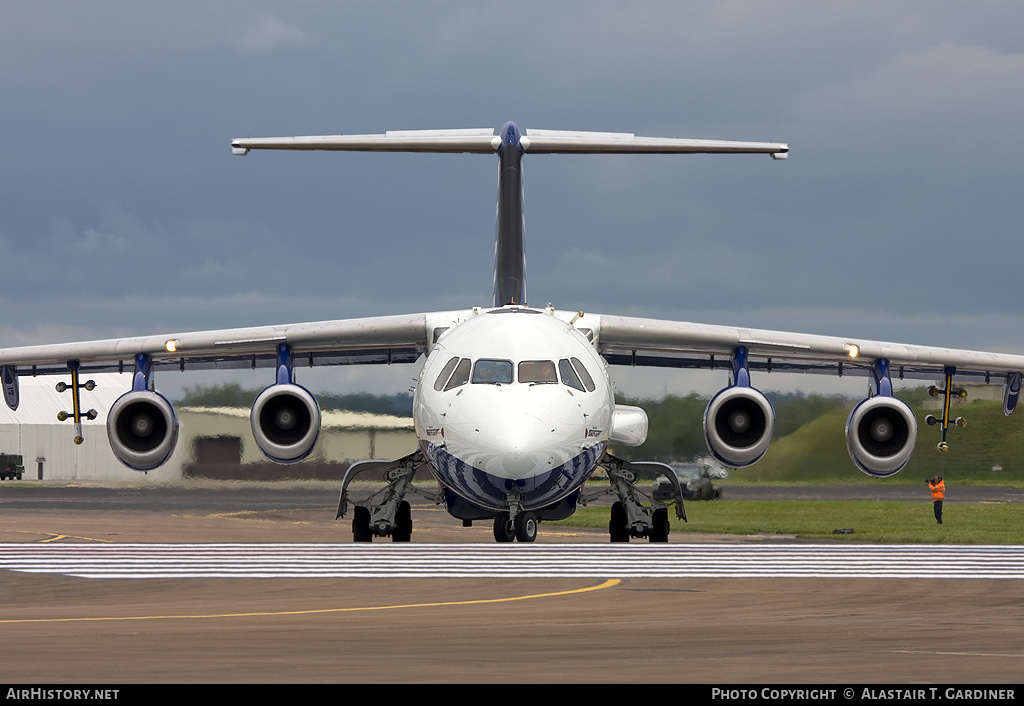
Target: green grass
column 872, row 521
column 816, row 452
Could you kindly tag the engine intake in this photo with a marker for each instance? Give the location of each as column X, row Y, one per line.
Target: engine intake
column 738, row 425
column 285, row 422
column 142, row 429
column 880, row 435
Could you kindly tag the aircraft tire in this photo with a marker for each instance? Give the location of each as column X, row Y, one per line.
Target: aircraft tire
column 617, row 530
column 361, row 525
column 526, row 527
column 503, row 529
column 660, row 530
column 403, row 523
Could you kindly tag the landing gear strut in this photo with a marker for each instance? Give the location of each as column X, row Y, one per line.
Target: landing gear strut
column 386, row 513
column 635, row 514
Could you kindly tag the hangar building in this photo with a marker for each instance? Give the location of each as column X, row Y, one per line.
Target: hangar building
column 208, row 438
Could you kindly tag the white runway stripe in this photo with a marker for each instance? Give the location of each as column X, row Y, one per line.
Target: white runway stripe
column 132, row 561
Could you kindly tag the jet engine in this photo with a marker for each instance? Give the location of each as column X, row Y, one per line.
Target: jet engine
column 142, row 429
column 880, row 435
column 738, row 424
column 285, row 422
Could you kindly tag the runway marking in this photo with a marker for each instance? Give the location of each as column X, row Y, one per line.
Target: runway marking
column 610, row 583
column 58, row 537
column 957, row 654
column 136, row 561
column 55, row 537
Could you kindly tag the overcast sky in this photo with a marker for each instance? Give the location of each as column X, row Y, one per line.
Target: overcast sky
column 898, row 215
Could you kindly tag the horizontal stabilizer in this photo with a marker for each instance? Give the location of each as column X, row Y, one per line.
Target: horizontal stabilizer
column 483, row 140
column 559, row 141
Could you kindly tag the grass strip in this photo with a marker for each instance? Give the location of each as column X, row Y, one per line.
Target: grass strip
column 880, row 521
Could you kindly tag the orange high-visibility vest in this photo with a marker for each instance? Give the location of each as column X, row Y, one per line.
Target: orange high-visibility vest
column 938, row 491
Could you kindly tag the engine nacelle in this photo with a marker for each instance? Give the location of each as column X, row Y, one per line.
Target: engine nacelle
column 285, row 422
column 738, row 425
column 880, row 435
column 142, row 429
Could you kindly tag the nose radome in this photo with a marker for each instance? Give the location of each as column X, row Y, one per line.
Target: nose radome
column 520, row 443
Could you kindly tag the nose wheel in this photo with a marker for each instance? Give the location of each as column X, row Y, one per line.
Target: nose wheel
column 522, row 529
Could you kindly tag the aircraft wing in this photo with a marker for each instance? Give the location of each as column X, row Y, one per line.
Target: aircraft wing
column 383, row 339
column 650, row 342
column 142, row 426
column 738, row 423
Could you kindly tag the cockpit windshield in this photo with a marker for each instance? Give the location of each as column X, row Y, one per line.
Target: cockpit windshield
column 492, row 372
column 569, row 376
column 537, row 371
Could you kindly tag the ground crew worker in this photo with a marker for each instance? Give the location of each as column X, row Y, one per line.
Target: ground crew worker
column 938, row 493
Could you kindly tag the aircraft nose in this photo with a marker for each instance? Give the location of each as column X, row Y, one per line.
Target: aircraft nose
column 521, row 444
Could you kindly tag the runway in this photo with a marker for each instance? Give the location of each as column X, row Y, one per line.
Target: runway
column 261, row 585
column 461, row 561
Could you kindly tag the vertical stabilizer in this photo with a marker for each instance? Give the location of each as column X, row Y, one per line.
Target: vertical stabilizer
column 509, row 253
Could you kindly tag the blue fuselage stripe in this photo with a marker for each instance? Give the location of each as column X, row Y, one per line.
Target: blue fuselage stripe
column 489, row 491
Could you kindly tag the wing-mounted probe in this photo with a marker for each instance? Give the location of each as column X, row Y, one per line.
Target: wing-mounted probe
column 76, row 404
column 947, row 392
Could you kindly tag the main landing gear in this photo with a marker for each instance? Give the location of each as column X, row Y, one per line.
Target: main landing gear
column 634, row 513
column 386, row 513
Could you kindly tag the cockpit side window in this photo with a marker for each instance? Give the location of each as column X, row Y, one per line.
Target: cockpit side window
column 537, row 371
column 446, row 372
column 569, row 376
column 588, row 382
column 492, row 372
column 460, row 376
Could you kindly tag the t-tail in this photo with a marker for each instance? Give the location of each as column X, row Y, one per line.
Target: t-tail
column 510, row 145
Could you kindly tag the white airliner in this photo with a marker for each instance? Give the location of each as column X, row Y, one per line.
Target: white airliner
column 514, row 408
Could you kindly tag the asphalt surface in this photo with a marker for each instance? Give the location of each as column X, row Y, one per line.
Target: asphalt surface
column 282, row 630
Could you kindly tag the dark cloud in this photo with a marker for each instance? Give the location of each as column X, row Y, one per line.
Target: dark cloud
column 897, row 216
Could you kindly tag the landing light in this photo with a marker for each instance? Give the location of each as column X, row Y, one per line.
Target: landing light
column 172, row 345
column 852, row 349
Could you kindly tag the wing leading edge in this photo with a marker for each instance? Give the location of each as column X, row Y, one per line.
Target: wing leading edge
column 369, row 340
column 657, row 343
column 881, row 430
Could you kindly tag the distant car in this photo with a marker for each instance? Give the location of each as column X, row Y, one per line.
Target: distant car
column 694, row 479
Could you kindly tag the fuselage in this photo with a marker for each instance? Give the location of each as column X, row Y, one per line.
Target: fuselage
column 513, row 405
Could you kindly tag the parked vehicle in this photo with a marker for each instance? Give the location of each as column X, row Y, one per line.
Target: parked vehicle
column 11, row 466
column 695, row 479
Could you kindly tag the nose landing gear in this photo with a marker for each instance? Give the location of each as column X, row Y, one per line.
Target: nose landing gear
column 522, row 528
